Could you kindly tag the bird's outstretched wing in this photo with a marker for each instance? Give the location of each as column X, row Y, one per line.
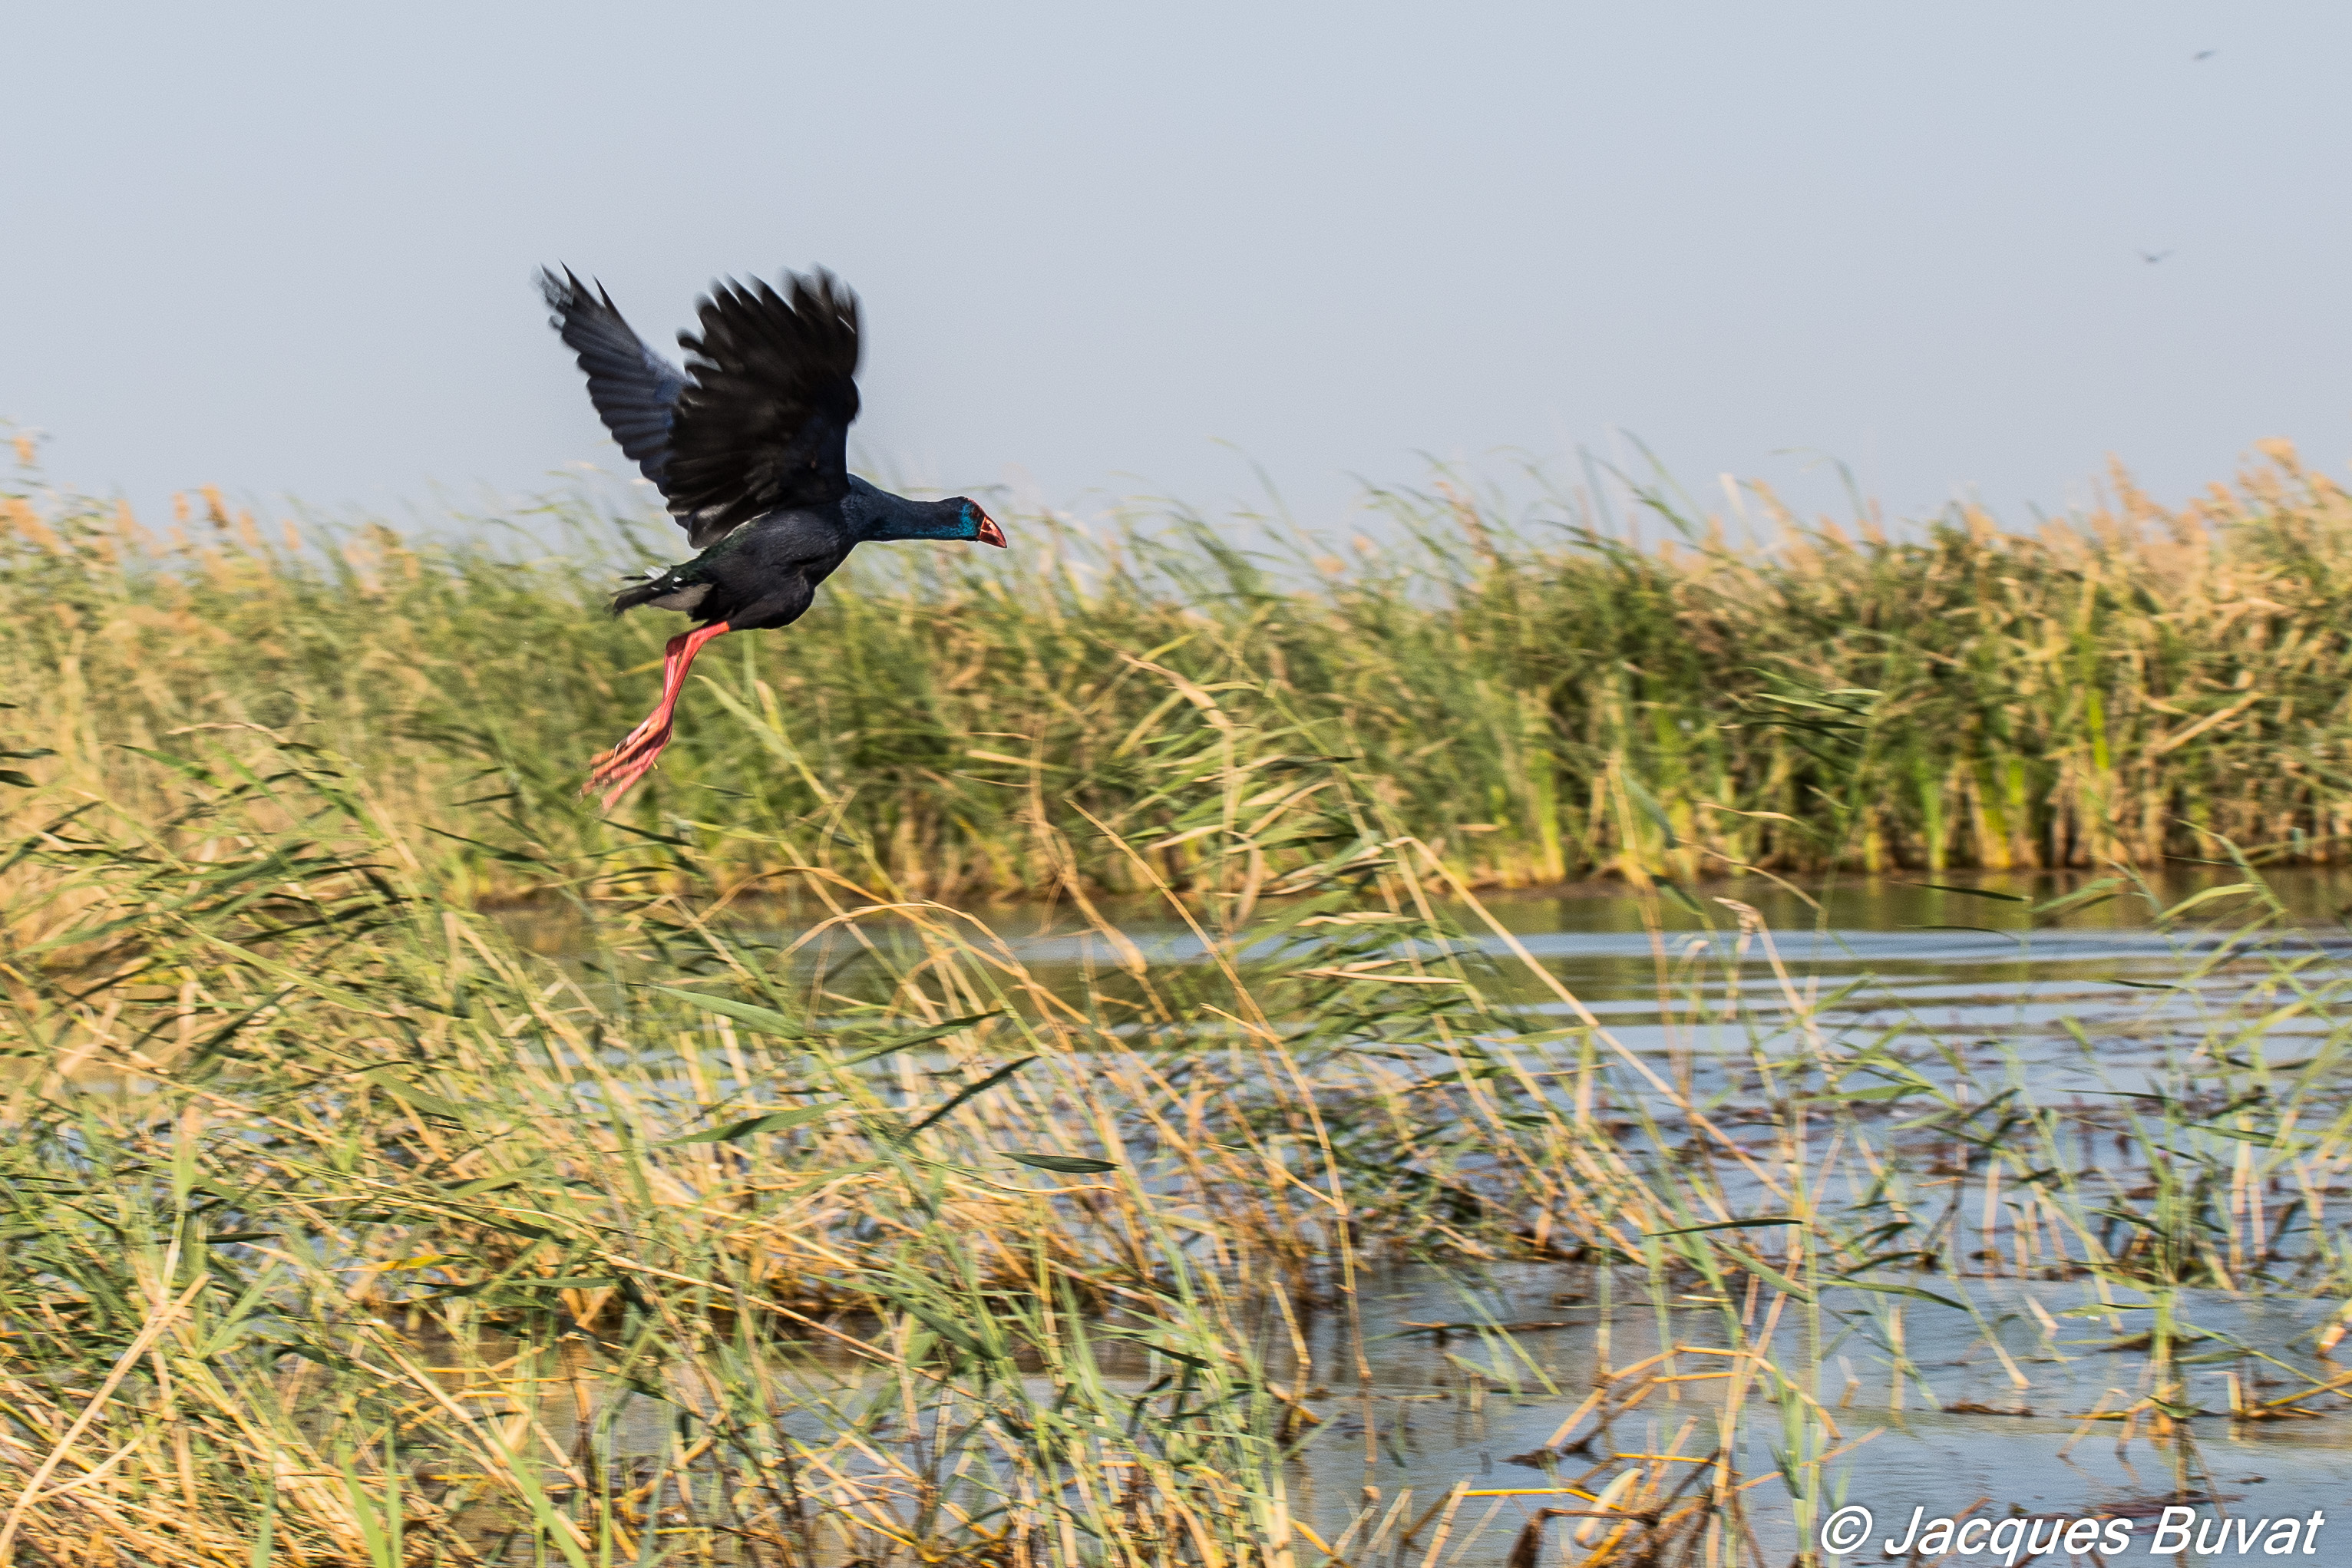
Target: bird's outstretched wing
column 764, row 420
column 635, row 390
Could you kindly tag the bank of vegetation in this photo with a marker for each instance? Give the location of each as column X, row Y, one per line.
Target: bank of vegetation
column 1539, row 697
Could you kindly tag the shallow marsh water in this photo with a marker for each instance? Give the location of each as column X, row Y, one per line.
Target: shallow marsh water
column 1674, row 980
column 1993, row 1415
column 1472, row 1373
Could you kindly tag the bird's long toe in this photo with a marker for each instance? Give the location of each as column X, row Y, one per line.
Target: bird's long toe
column 612, row 777
column 617, row 781
column 635, row 738
column 614, row 772
column 642, row 741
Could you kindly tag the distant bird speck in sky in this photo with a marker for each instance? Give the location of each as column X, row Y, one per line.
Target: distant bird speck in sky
column 2203, row 55
column 2153, row 257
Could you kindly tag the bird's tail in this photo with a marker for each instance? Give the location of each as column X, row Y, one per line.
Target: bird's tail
column 645, row 591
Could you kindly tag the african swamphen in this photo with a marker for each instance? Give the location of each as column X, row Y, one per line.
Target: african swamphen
column 749, row 445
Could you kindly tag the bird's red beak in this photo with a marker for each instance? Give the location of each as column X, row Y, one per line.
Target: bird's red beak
column 989, row 534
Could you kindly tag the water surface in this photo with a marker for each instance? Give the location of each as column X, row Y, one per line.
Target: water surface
column 2089, row 1001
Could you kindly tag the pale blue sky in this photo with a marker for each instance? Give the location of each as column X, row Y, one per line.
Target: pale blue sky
column 287, row 248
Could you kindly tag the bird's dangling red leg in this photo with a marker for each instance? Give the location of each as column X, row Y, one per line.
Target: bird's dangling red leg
column 615, row 770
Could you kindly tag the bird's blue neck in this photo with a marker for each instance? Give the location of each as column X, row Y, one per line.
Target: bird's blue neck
column 876, row 515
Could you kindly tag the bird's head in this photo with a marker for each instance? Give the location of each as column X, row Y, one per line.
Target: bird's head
column 878, row 514
column 978, row 525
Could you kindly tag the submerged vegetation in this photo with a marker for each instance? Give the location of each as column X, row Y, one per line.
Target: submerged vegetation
column 1539, row 699
column 341, row 1229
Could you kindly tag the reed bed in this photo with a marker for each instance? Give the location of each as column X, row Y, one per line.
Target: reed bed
column 1537, row 697
column 826, row 1227
column 341, row 1230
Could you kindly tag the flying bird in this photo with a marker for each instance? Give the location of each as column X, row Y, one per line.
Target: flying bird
column 749, row 444
column 2153, row 257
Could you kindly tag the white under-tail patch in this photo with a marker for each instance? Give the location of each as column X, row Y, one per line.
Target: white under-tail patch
column 685, row 597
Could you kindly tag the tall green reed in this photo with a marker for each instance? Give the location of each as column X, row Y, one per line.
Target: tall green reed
column 1540, row 698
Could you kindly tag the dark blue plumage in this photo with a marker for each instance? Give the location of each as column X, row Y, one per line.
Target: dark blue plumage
column 749, row 445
